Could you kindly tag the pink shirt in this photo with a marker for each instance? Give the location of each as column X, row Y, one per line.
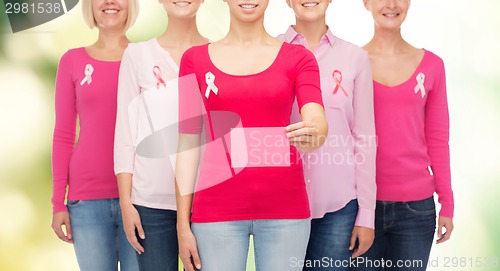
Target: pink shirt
column 413, row 133
column 146, row 131
column 262, row 99
column 344, row 167
column 85, row 90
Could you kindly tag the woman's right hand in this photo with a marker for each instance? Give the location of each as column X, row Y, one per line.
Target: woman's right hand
column 131, row 222
column 188, row 251
column 58, row 220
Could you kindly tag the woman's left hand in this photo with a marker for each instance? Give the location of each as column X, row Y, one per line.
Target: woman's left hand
column 447, row 223
column 303, row 135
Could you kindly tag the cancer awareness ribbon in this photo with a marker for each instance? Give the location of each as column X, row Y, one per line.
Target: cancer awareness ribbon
column 211, row 87
column 88, row 75
column 420, row 84
column 159, row 80
column 337, row 78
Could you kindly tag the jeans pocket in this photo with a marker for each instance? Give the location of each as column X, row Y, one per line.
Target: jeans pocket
column 74, row 203
column 422, row 207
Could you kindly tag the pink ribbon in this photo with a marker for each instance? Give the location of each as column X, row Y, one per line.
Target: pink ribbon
column 420, row 84
column 337, row 78
column 159, row 80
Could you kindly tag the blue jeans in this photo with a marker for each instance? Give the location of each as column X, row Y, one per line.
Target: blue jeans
column 404, row 232
column 160, row 246
column 99, row 240
column 328, row 247
column 279, row 244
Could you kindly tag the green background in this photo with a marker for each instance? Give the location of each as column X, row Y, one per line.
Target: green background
column 464, row 33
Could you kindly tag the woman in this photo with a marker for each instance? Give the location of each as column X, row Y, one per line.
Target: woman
column 413, row 160
column 341, row 174
column 86, row 86
column 249, row 80
column 146, row 135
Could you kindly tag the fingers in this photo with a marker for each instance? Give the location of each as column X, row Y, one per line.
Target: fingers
column 191, row 260
column 134, row 242
column 443, row 237
column 362, row 248
column 303, row 131
column 195, row 257
column 354, row 237
column 440, row 231
column 140, row 231
column 58, row 221
column 69, row 232
column 296, row 126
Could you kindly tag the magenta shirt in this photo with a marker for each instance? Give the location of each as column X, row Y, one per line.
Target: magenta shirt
column 263, row 99
column 86, row 91
column 413, row 132
column 344, row 167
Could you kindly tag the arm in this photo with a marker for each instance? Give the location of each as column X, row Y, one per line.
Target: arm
column 63, row 144
column 186, row 168
column 363, row 133
column 188, row 154
column 311, row 132
column 437, row 137
column 124, row 148
column 130, row 216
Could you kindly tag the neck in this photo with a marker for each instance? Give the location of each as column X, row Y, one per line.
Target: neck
column 111, row 39
column 181, row 33
column 247, row 33
column 312, row 31
column 387, row 41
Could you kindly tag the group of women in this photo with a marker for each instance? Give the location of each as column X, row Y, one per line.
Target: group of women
column 367, row 130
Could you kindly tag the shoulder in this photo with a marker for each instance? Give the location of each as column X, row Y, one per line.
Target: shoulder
column 354, row 50
column 194, row 51
column 432, row 63
column 432, row 58
column 140, row 47
column 74, row 55
column 297, row 52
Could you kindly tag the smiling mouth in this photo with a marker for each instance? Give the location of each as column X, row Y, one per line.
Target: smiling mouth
column 310, row 4
column 391, row 15
column 110, row 11
column 182, row 3
column 248, row 6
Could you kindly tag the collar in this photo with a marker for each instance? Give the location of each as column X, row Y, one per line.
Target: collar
column 291, row 35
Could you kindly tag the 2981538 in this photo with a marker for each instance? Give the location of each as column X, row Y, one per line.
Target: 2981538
column 476, row 263
column 33, row 8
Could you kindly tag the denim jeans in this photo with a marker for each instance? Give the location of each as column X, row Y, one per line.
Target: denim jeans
column 328, row 247
column 279, row 244
column 160, row 246
column 404, row 232
column 99, row 240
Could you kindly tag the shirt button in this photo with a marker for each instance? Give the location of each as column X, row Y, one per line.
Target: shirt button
column 309, row 156
column 308, row 180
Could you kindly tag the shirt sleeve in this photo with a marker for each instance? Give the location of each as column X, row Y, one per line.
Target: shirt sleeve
column 125, row 129
column 190, row 100
column 363, row 133
column 437, row 128
column 64, row 132
column 307, row 79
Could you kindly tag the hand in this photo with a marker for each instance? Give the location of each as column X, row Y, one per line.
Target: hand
column 131, row 222
column 447, row 223
column 58, row 220
column 365, row 237
column 302, row 135
column 188, row 252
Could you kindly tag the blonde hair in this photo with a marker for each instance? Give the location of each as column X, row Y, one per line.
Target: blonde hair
column 88, row 14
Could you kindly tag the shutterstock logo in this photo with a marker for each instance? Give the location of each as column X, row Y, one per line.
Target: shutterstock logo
column 25, row 14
